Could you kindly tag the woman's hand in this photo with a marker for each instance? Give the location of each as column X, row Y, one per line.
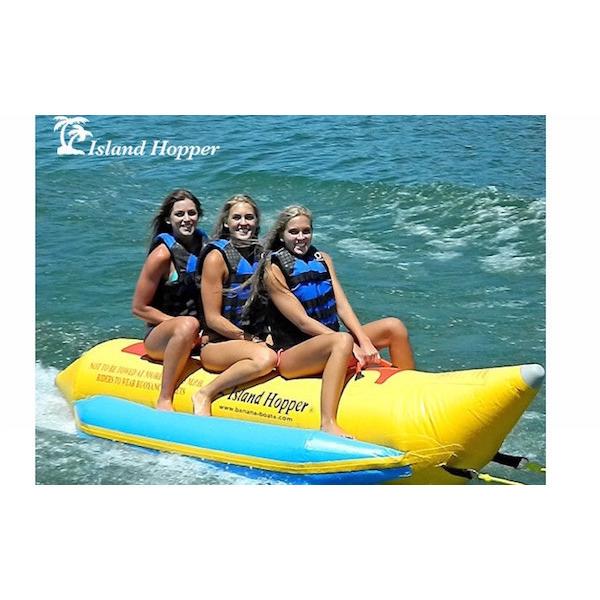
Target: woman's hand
column 359, row 355
column 251, row 338
column 366, row 354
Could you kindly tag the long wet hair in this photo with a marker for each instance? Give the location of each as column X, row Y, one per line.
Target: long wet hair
column 159, row 222
column 221, row 230
column 255, row 307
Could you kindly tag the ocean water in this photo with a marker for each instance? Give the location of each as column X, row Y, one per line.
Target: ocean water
column 438, row 220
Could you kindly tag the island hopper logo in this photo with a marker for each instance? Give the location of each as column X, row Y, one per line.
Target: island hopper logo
column 72, row 131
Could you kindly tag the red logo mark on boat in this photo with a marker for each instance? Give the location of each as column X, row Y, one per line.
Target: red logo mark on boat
column 137, row 348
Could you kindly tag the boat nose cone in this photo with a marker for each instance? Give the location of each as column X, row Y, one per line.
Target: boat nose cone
column 533, row 375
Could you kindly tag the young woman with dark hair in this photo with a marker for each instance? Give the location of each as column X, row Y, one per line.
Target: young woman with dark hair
column 166, row 296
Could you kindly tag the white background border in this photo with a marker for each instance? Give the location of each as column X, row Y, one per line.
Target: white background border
column 311, row 58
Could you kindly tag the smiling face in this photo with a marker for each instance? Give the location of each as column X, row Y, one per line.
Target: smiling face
column 297, row 235
column 241, row 221
column 183, row 219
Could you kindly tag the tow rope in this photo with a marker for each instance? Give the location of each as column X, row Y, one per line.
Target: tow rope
column 473, row 474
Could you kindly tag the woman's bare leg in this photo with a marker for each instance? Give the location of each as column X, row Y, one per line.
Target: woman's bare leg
column 392, row 333
column 238, row 361
column 327, row 354
column 171, row 342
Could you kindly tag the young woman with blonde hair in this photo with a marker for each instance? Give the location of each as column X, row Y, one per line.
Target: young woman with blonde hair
column 236, row 351
column 304, row 301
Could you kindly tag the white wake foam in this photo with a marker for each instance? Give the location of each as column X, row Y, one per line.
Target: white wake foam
column 52, row 411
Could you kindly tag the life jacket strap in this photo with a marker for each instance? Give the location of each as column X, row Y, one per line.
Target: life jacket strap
column 312, row 277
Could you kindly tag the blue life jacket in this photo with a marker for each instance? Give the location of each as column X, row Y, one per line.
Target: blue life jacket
column 309, row 279
column 180, row 297
column 240, row 270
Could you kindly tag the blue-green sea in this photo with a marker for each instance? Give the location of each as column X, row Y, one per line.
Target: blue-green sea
column 439, row 220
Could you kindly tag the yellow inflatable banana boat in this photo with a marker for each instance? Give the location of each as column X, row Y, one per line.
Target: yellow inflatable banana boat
column 456, row 420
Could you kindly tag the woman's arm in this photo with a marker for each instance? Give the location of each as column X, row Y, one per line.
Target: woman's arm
column 155, row 268
column 346, row 313
column 214, row 273
column 288, row 305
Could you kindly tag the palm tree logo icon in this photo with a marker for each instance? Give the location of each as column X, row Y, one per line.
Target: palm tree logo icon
column 71, row 128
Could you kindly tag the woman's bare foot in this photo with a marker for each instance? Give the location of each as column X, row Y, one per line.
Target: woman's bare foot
column 333, row 428
column 164, row 404
column 201, row 403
